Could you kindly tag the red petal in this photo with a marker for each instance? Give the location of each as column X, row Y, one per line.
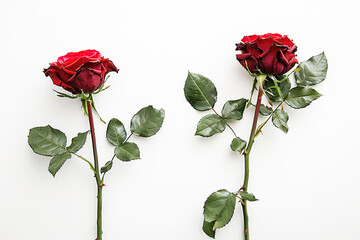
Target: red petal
column 251, row 61
column 254, row 49
column 251, row 38
column 54, row 75
column 265, row 43
column 285, row 41
column 87, row 80
column 109, row 66
column 267, row 60
column 272, row 35
column 74, row 55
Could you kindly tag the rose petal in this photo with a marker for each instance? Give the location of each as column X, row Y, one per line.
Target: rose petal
column 268, row 59
column 253, row 48
column 251, row 38
column 109, row 66
column 87, row 81
column 265, row 43
column 249, row 60
column 56, row 80
column 272, row 35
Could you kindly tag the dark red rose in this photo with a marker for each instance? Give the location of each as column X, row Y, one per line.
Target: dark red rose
column 80, row 71
column 270, row 53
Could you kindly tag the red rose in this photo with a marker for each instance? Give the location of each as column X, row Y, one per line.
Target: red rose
column 270, row 53
column 82, row 71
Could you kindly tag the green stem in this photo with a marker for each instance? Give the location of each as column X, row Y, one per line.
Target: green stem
column 247, row 155
column 97, row 172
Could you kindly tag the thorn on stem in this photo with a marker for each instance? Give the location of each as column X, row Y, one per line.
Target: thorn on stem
column 246, row 231
column 242, row 188
column 101, row 188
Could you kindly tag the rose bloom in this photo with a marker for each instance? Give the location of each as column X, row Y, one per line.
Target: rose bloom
column 270, row 53
column 82, row 71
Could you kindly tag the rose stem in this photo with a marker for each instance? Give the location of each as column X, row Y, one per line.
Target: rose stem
column 246, row 156
column 97, row 172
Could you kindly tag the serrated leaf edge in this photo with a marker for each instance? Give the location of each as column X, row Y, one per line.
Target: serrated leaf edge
column 197, row 131
column 202, row 93
column 128, row 153
column 162, row 114
column 322, row 56
column 64, row 148
column 225, row 117
column 221, row 208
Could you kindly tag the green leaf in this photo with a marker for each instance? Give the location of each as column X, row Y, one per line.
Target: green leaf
column 127, row 151
column 106, row 167
column 234, row 109
column 219, row 208
column 208, row 228
column 238, row 145
column 147, row 121
column 280, row 119
column 77, row 142
column 272, row 92
column 57, row 162
column 247, row 196
column 265, row 111
column 210, row 125
column 300, row 97
column 47, row 141
column 313, row 71
column 115, row 132
column 200, row 92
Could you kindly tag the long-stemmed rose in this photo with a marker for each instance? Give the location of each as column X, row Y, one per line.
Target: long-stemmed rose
column 84, row 74
column 268, row 58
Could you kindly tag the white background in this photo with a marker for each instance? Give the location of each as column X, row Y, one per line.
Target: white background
column 307, row 181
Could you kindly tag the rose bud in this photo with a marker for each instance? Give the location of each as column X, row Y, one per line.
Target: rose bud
column 269, row 53
column 82, row 71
